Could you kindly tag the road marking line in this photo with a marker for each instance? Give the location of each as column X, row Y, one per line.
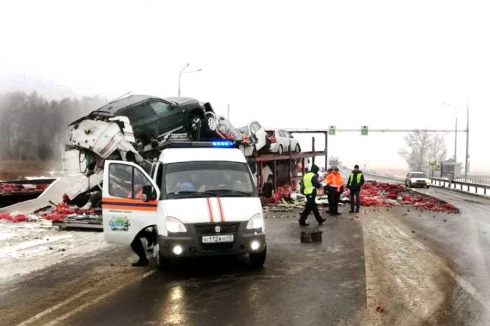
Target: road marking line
column 53, row 308
column 71, row 313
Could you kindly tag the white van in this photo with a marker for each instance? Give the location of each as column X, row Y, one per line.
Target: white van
column 200, row 197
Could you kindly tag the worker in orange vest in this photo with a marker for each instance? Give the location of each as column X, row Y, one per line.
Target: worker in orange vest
column 335, row 186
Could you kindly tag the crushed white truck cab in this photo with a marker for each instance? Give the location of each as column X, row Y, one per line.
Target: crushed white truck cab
column 200, row 197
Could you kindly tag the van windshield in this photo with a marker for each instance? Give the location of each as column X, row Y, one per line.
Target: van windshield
column 208, row 179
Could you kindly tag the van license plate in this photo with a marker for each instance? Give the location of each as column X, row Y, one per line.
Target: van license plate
column 217, row 238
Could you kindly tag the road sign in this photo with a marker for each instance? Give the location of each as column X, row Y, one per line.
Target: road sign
column 331, row 130
column 364, row 130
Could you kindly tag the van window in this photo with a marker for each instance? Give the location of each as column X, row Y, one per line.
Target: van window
column 208, row 178
column 126, row 181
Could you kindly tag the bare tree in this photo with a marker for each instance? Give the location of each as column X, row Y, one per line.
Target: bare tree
column 423, row 149
column 33, row 128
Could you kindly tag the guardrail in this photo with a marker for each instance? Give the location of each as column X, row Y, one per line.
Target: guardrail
column 476, row 188
column 471, row 186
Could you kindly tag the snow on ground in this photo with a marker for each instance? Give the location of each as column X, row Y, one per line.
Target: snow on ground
column 30, row 246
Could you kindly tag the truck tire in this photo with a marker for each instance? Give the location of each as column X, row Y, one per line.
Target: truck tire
column 195, row 128
column 258, row 259
column 210, row 121
column 280, row 150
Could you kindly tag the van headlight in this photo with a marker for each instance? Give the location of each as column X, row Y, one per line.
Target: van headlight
column 256, row 222
column 174, row 225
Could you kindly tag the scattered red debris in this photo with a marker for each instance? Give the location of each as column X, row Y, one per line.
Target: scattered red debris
column 12, row 188
column 375, row 193
column 61, row 211
column 13, row 217
column 383, row 194
column 56, row 213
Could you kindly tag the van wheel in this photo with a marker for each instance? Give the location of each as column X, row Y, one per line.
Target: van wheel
column 258, row 259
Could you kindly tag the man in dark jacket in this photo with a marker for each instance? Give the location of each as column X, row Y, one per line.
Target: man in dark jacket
column 310, row 185
column 354, row 184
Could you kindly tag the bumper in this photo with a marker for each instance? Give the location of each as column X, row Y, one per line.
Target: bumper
column 192, row 242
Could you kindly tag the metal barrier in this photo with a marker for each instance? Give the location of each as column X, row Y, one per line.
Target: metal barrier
column 471, row 186
column 476, row 188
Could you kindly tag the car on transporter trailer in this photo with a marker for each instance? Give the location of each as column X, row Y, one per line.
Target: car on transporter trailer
column 152, row 117
column 282, row 141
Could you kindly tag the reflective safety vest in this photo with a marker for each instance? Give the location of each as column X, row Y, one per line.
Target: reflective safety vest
column 334, row 179
column 307, row 183
column 351, row 178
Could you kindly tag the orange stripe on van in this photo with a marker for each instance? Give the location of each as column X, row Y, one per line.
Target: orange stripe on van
column 129, row 204
column 210, row 210
column 221, row 213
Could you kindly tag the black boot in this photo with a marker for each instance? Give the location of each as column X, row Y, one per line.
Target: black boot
column 302, row 223
column 141, row 262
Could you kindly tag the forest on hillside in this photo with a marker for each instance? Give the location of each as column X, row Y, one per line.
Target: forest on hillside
column 35, row 128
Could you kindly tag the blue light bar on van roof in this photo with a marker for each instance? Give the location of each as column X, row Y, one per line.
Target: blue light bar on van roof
column 186, row 144
column 223, row 143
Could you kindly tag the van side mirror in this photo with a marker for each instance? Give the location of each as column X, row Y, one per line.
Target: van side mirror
column 148, row 193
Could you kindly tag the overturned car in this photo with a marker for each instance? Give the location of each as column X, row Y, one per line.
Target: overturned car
column 153, row 118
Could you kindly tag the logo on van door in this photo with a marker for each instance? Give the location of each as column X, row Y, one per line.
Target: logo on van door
column 119, row 223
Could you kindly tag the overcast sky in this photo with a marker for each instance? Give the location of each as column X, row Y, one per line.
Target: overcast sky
column 293, row 64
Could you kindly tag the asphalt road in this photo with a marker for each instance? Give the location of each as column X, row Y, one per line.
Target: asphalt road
column 464, row 242
column 320, row 283
column 440, row 259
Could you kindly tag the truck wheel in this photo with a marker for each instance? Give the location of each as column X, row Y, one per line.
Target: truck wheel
column 210, row 121
column 196, row 127
column 258, row 259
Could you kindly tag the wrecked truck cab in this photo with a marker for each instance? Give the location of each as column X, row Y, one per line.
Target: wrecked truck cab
column 152, row 117
column 201, row 200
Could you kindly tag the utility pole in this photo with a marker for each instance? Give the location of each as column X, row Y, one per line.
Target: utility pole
column 455, row 137
column 467, row 141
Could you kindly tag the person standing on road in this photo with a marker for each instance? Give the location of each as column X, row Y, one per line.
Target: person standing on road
column 149, row 234
column 311, row 184
column 325, row 188
column 335, row 186
column 354, row 184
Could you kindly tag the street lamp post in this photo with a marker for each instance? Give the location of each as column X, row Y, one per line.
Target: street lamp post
column 467, row 142
column 455, row 136
column 187, row 72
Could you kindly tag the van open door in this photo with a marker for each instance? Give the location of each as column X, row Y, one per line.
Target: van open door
column 129, row 201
